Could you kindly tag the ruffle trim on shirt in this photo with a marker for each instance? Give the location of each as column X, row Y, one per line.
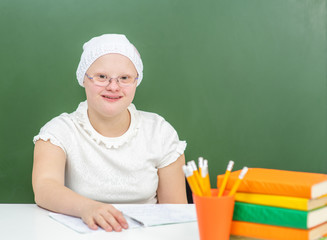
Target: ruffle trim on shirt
column 47, row 137
column 181, row 147
column 82, row 119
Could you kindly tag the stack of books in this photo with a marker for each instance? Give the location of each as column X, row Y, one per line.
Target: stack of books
column 279, row 204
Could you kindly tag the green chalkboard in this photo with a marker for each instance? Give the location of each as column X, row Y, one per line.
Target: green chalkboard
column 241, row 80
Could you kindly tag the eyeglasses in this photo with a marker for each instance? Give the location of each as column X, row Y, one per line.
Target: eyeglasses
column 103, row 80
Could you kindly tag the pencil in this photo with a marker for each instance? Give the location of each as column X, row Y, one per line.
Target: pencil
column 196, row 174
column 191, row 180
column 227, row 173
column 205, row 179
column 201, row 164
column 238, row 181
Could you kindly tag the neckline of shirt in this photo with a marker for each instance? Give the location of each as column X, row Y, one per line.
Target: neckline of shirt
column 108, row 142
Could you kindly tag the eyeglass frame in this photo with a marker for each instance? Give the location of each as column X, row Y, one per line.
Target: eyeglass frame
column 110, row 79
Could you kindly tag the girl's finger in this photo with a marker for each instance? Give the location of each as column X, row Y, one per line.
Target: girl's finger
column 103, row 223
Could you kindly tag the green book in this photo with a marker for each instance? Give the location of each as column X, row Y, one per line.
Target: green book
column 284, row 217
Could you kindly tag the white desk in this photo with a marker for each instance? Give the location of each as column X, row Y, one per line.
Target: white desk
column 29, row 222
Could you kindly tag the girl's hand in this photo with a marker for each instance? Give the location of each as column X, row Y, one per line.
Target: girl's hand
column 103, row 215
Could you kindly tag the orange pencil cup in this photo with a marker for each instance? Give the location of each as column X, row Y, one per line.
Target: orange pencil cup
column 214, row 215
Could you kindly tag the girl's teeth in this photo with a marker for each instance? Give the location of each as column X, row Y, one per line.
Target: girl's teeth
column 111, row 97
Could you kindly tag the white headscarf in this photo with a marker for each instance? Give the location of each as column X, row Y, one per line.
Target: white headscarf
column 105, row 44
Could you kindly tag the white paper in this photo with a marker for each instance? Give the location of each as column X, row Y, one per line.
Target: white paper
column 78, row 225
column 74, row 223
column 138, row 215
column 159, row 214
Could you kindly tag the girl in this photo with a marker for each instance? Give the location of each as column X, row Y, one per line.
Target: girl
column 107, row 151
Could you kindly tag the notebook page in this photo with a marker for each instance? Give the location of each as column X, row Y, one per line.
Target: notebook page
column 159, row 214
column 78, row 225
column 137, row 215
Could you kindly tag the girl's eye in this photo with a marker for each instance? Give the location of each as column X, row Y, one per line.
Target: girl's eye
column 124, row 77
column 102, row 76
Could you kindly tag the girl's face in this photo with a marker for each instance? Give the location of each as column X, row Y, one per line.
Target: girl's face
column 111, row 100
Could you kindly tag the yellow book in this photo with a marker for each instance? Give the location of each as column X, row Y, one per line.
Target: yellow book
column 297, row 203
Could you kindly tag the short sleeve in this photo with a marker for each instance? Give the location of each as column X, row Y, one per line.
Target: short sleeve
column 172, row 147
column 56, row 131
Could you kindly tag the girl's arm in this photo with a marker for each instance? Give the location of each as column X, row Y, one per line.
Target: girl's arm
column 171, row 188
column 50, row 193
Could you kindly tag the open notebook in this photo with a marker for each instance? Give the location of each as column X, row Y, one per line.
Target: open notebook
column 138, row 215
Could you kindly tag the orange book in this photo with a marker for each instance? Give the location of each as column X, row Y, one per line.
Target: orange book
column 263, row 231
column 279, row 182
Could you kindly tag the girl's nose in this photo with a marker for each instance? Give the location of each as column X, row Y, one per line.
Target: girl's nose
column 113, row 84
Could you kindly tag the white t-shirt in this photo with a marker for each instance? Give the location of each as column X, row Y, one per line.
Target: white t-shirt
column 114, row 170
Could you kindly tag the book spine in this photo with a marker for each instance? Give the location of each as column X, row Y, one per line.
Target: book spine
column 270, row 215
column 263, row 231
column 255, row 182
column 273, row 200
